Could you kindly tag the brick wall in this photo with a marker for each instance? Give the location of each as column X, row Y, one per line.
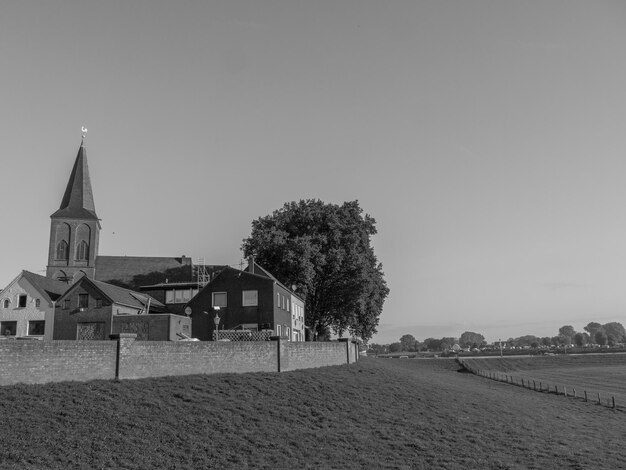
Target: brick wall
column 56, row 361
column 53, row 361
column 140, row 359
column 301, row 355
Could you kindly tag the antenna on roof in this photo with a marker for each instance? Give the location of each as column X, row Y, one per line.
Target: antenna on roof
column 202, row 273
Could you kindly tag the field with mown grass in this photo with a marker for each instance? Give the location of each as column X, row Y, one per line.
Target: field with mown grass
column 378, row 413
column 603, row 374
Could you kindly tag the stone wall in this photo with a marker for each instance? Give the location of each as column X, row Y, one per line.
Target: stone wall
column 126, row 358
column 56, row 361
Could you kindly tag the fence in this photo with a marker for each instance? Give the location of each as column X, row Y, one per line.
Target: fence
column 243, row 335
column 540, row 386
column 126, row 358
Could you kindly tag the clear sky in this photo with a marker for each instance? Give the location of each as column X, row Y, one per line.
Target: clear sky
column 485, row 137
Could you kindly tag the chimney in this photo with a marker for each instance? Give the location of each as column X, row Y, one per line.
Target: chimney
column 251, row 264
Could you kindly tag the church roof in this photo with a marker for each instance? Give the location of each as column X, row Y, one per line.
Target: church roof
column 136, row 271
column 77, row 201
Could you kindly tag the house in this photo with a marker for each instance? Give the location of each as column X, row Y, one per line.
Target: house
column 26, row 303
column 93, row 310
column 250, row 300
column 175, row 295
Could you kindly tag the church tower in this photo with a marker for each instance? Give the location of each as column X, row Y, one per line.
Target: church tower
column 75, row 227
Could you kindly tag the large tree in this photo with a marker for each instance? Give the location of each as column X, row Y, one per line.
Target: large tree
column 567, row 332
column 408, row 342
column 469, row 339
column 615, row 332
column 325, row 251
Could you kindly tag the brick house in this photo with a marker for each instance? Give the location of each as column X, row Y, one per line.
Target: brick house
column 175, row 295
column 26, row 303
column 250, row 300
column 91, row 309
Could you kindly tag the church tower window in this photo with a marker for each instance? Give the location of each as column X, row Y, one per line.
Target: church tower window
column 62, row 250
column 82, row 251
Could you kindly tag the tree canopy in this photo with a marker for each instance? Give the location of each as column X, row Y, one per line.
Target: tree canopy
column 469, row 339
column 325, row 251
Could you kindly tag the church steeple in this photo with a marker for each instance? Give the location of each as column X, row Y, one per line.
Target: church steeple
column 74, row 227
column 78, row 198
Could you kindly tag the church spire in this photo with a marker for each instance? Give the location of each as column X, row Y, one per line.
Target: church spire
column 78, row 198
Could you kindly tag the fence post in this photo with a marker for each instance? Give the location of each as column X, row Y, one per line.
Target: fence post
column 613, row 402
column 586, row 395
column 277, row 339
column 599, row 401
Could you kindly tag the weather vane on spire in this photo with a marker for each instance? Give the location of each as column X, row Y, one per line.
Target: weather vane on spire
column 84, row 129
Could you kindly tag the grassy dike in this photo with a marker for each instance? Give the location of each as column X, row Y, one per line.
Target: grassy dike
column 378, row 413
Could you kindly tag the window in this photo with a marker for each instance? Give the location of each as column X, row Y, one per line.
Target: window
column 8, row 328
column 36, row 328
column 83, row 300
column 37, row 303
column 288, row 304
column 278, row 330
column 21, row 301
column 82, row 251
column 287, row 331
column 98, row 303
column 66, row 304
column 278, row 299
column 219, row 299
column 169, row 296
column 63, row 252
column 6, row 303
column 250, row 298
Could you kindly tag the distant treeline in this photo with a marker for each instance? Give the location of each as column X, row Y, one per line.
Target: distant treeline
column 610, row 334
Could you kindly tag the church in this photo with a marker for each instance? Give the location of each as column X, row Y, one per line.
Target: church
column 85, row 295
column 74, row 238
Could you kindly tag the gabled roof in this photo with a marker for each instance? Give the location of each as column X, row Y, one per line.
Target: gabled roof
column 118, row 295
column 259, row 273
column 49, row 289
column 78, row 198
column 254, row 268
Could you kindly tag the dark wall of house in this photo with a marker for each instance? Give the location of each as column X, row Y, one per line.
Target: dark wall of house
column 233, row 282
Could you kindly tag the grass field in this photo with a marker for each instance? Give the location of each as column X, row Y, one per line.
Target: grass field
column 604, row 373
column 378, row 413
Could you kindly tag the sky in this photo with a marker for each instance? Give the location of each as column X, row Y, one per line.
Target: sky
column 484, row 136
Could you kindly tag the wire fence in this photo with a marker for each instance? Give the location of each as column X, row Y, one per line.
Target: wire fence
column 606, row 400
